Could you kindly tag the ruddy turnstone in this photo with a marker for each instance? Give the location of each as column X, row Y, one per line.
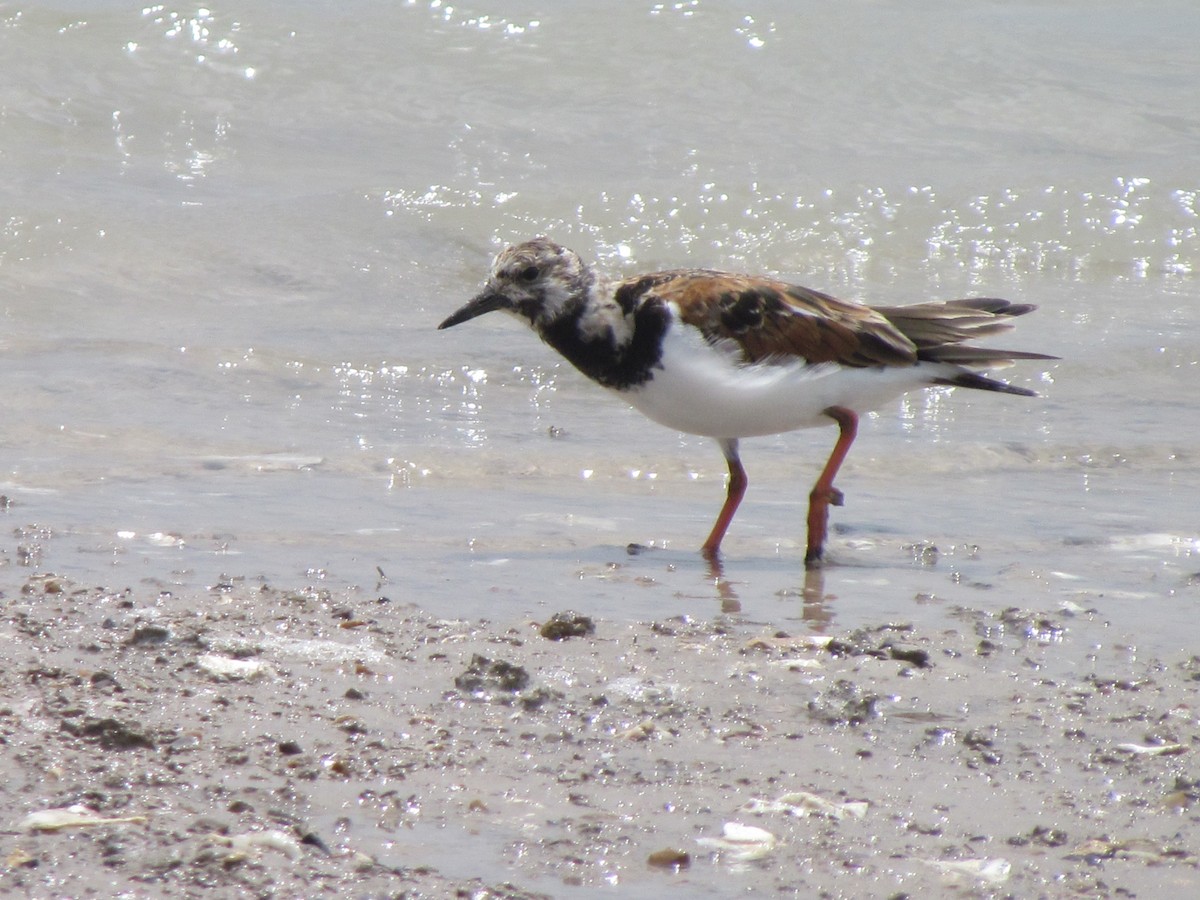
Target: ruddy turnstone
column 732, row 356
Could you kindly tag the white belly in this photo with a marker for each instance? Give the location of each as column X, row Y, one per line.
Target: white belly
column 699, row 390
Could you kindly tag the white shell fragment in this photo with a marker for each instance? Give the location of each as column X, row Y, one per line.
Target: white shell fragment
column 1141, row 849
column 742, row 842
column 990, row 871
column 642, row 731
column 804, row 643
column 225, row 669
column 254, row 842
column 802, row 803
column 75, row 816
column 1153, row 749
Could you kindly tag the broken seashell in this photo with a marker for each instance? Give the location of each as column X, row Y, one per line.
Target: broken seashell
column 743, row 843
column 991, row 871
column 74, row 816
column 802, row 803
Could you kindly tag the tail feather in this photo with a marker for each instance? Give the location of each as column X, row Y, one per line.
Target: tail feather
column 979, row 382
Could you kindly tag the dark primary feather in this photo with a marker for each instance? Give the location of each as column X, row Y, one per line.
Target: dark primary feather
column 974, row 380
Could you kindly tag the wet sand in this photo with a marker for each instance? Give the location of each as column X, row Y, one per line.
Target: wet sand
column 262, row 740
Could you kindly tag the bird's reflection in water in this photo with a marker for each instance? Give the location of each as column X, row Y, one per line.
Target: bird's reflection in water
column 815, row 609
column 724, row 587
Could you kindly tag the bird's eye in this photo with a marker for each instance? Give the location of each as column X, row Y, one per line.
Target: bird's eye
column 529, row 273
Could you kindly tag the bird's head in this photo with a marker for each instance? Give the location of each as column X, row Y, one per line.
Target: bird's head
column 536, row 281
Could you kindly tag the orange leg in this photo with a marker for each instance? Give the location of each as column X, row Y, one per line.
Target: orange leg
column 733, row 497
column 824, row 493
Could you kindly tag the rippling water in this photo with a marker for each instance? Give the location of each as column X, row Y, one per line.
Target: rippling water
column 227, row 235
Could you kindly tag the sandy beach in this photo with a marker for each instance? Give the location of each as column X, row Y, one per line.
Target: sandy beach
column 257, row 740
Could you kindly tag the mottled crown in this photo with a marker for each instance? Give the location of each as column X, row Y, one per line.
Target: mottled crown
column 539, row 279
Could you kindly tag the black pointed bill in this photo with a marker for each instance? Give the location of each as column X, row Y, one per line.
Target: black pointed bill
column 488, row 301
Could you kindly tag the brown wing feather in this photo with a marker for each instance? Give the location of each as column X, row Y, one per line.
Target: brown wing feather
column 772, row 320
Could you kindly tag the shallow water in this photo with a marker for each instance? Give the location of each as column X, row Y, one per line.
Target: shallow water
column 226, row 238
